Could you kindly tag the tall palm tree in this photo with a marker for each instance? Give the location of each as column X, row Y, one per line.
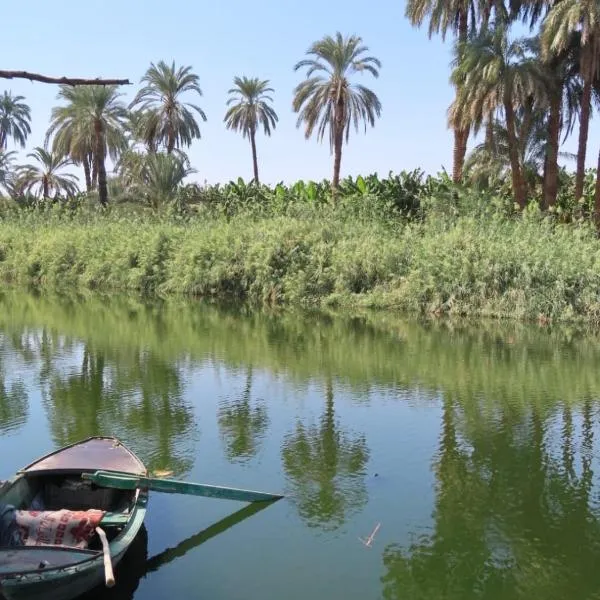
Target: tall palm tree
column 564, row 94
column 498, row 74
column 565, row 18
column 327, row 100
column 45, row 176
column 447, row 15
column 170, row 121
column 15, row 119
column 250, row 109
column 91, row 124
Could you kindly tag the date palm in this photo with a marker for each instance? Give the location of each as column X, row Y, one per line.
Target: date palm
column 497, row 73
column 15, row 119
column 90, row 124
column 565, row 18
column 170, row 121
column 45, row 176
column 327, row 101
column 447, row 16
column 249, row 108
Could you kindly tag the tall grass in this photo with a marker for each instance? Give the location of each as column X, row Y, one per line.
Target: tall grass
column 490, row 265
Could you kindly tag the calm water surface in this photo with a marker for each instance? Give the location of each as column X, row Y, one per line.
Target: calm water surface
column 474, row 449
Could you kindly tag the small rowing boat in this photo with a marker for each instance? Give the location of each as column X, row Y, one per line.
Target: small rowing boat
column 67, row 519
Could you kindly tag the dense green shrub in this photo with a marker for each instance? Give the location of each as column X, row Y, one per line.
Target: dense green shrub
column 482, row 262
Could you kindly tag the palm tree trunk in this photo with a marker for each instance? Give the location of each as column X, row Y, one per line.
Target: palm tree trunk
column 101, row 168
column 94, row 164
column 170, row 139
column 87, row 174
column 254, row 157
column 513, row 152
column 584, row 123
column 551, row 165
column 338, row 140
column 45, row 187
column 461, row 134
column 489, row 133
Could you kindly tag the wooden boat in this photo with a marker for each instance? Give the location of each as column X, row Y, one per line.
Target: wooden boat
column 54, row 482
column 50, row 550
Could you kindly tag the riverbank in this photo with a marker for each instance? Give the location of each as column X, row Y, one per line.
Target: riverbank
column 494, row 266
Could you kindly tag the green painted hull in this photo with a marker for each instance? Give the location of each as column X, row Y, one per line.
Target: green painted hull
column 70, row 582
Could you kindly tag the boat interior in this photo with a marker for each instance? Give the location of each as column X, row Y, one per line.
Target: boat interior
column 40, row 493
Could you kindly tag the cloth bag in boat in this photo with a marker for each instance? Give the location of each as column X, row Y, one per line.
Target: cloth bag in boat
column 71, row 528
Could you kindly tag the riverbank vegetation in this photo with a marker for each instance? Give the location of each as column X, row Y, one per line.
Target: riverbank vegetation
column 510, row 234
column 440, row 252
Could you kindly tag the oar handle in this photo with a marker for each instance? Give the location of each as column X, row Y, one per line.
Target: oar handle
column 109, row 576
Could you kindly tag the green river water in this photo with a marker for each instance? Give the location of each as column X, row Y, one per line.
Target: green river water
column 472, row 450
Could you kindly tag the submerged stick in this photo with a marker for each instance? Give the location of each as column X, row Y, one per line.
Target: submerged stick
column 369, row 541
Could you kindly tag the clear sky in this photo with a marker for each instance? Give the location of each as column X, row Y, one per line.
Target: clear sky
column 262, row 38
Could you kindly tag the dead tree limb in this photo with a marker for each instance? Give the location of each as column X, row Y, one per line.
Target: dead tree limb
column 61, row 80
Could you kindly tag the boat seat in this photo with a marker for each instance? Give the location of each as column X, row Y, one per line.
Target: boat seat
column 114, row 519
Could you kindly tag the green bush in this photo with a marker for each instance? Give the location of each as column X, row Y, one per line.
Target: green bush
column 468, row 261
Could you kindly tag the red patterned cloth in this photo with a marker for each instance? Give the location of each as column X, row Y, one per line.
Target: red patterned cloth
column 71, row 528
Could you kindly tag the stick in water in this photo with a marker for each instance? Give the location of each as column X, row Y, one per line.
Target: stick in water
column 369, row 541
column 108, row 570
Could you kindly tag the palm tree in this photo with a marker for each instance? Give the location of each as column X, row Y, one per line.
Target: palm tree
column 45, row 177
column 155, row 176
column 498, row 74
column 15, row 117
column 447, row 15
column 250, row 110
column 565, row 18
column 91, row 124
column 6, row 167
column 486, row 163
column 169, row 121
column 138, row 130
column 564, row 94
column 327, row 100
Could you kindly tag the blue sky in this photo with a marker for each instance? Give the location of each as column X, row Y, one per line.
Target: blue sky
column 263, row 38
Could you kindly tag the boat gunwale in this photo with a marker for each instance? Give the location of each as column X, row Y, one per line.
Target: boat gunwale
column 11, row 575
column 27, row 470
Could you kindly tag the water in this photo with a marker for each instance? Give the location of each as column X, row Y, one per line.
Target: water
column 473, row 448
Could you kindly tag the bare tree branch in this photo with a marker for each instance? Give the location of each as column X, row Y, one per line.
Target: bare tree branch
column 61, row 80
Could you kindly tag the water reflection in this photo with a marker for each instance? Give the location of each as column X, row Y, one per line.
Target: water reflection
column 514, row 516
column 243, row 423
column 325, row 466
column 14, row 403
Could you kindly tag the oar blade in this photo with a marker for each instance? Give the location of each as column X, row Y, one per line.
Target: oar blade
column 170, row 486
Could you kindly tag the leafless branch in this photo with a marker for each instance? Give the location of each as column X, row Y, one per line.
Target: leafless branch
column 61, row 80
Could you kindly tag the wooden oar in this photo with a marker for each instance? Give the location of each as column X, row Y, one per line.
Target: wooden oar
column 109, row 576
column 127, row 481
